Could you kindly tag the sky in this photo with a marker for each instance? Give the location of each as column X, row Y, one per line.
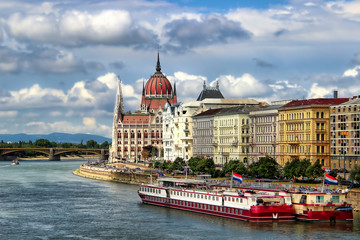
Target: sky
column 59, row 60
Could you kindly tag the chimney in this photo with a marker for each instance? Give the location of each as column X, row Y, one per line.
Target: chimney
column 335, row 94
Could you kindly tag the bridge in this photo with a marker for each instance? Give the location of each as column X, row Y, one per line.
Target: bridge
column 54, row 153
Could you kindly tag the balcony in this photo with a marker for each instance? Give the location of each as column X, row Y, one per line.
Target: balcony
column 294, row 142
column 235, row 143
column 215, row 144
column 186, row 129
column 186, row 138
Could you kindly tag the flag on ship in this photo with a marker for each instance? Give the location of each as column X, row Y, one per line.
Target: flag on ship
column 187, row 169
column 160, row 174
column 330, row 179
column 237, row 177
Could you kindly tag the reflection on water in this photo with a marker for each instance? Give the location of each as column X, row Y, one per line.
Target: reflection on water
column 43, row 200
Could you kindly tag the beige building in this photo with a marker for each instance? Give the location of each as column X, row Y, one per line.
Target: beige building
column 137, row 136
column 345, row 134
column 231, row 135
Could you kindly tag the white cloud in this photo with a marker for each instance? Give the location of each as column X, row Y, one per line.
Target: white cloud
column 317, row 91
column 353, row 72
column 89, row 122
column 78, row 28
column 55, row 114
column 8, row 114
column 188, row 86
column 242, row 87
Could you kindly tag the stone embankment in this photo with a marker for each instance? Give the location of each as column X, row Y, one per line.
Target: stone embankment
column 354, row 198
column 114, row 175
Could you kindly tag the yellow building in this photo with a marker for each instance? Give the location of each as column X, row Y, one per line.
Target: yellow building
column 304, row 130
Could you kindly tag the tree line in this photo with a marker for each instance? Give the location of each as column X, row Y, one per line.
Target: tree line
column 266, row 168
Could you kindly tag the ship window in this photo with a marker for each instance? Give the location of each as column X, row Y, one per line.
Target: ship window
column 237, row 200
column 205, row 197
column 217, row 198
column 202, row 196
column 319, row 199
column 335, row 199
column 233, row 199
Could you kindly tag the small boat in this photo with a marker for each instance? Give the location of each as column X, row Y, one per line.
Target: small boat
column 15, row 162
column 193, row 195
column 321, row 206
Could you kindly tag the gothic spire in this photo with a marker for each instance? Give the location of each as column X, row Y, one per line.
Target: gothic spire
column 174, row 88
column 143, row 91
column 158, row 66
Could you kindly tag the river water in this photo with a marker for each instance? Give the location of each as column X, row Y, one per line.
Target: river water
column 44, row 200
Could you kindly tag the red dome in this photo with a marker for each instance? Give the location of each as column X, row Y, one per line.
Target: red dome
column 158, row 84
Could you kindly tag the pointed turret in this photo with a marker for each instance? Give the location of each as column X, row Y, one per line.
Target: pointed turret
column 174, row 97
column 119, row 112
column 158, row 66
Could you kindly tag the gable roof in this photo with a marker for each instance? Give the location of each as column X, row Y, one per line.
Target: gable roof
column 315, row 102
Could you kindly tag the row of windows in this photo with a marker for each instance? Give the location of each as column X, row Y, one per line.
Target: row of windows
column 334, row 199
column 349, row 108
column 194, row 195
column 150, row 190
column 197, row 205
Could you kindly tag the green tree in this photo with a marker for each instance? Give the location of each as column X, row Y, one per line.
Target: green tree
column 105, row 145
column 315, row 170
column 194, row 162
column 235, row 166
column 206, row 166
column 43, row 143
column 92, row 144
column 355, row 174
column 266, row 167
column 178, row 164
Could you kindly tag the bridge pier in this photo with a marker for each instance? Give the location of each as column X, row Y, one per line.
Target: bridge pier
column 102, row 155
column 53, row 157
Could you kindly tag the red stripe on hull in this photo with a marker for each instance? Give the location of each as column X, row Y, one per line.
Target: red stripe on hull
column 270, row 214
column 327, row 216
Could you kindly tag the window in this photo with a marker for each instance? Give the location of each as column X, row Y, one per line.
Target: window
column 319, row 199
column 335, row 199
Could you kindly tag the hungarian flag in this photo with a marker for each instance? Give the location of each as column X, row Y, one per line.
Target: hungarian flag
column 330, row 179
column 237, row 177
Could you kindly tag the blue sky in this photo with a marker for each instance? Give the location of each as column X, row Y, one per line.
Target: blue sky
column 59, row 59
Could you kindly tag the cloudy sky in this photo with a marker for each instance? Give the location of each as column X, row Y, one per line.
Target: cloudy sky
column 59, row 59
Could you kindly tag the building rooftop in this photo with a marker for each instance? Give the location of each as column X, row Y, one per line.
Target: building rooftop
column 315, row 102
column 210, row 92
column 208, row 112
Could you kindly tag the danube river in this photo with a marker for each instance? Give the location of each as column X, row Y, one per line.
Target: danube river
column 43, row 200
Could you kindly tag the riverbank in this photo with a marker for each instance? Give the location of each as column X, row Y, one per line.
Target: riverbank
column 105, row 173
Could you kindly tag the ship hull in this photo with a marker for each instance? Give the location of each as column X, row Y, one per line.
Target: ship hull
column 281, row 213
column 325, row 216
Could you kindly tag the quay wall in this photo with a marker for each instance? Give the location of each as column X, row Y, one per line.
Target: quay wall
column 354, row 198
column 114, row 175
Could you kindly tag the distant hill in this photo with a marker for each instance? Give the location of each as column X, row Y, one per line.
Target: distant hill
column 56, row 137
